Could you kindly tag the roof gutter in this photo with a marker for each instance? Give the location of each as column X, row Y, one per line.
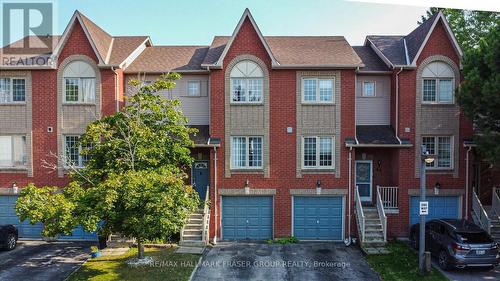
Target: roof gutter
column 349, row 145
column 309, row 66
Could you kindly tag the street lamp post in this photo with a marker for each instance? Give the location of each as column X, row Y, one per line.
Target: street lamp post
column 426, row 158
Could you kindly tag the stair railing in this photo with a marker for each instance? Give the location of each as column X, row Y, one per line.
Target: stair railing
column 480, row 213
column 495, row 201
column 206, row 217
column 381, row 213
column 360, row 215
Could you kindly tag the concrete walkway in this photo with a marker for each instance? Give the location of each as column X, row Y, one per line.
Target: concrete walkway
column 303, row 261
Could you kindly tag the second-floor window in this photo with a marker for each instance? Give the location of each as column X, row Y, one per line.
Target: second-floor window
column 441, row 146
column 79, row 83
column 438, row 83
column 317, row 90
column 246, row 152
column 73, row 151
column 247, row 83
column 12, row 90
column 194, row 88
column 368, row 89
column 12, row 151
column 317, row 152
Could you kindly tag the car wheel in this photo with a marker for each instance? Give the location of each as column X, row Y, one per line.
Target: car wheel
column 11, row 242
column 443, row 260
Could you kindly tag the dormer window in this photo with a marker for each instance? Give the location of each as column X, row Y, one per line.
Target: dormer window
column 247, row 80
column 438, row 83
column 79, row 83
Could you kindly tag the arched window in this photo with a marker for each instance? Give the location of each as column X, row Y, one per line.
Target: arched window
column 247, row 81
column 438, row 83
column 79, row 83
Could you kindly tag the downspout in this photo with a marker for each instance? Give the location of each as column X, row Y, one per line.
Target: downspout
column 397, row 104
column 117, row 94
column 467, row 183
column 215, row 195
column 348, row 242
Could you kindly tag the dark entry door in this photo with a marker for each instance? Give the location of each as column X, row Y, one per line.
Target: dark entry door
column 200, row 177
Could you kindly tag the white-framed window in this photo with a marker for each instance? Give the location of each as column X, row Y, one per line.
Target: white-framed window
column 79, row 83
column 73, row 151
column 13, row 151
column 318, row 152
column 442, row 148
column 247, row 82
column 438, row 83
column 12, row 90
column 369, row 89
column 194, row 88
column 318, row 90
column 246, row 152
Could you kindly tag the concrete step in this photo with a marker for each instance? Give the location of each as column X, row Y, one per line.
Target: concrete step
column 192, row 243
column 197, row 232
column 192, row 237
column 373, row 227
column 196, row 216
column 373, row 236
column 375, row 250
column 369, row 209
column 195, row 221
column 193, row 227
column 374, row 243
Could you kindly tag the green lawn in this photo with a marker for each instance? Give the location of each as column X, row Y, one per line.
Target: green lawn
column 401, row 264
column 169, row 266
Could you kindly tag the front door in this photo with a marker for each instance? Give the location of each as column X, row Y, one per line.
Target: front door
column 364, row 179
column 199, row 179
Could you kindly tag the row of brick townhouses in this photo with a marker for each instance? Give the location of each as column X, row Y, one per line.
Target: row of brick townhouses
column 295, row 131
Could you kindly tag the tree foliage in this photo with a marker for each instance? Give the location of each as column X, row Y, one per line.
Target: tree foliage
column 479, row 94
column 469, row 26
column 133, row 181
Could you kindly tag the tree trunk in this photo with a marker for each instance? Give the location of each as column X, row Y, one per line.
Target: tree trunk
column 140, row 249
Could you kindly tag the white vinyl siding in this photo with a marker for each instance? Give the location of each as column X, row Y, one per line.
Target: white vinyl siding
column 318, row 152
column 12, row 90
column 246, row 152
column 318, row 90
column 12, row 151
column 442, row 148
column 373, row 109
column 194, row 88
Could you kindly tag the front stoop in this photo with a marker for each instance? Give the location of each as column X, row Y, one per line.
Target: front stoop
column 374, row 234
column 190, row 250
column 192, row 233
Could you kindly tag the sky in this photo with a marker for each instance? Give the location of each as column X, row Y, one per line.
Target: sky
column 195, row 22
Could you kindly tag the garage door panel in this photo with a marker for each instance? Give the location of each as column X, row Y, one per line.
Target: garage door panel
column 247, row 217
column 440, row 207
column 318, row 218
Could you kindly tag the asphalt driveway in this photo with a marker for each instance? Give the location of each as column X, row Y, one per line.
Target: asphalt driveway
column 303, row 261
column 470, row 274
column 39, row 260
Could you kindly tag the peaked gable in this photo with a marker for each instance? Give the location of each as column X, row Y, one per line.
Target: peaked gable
column 77, row 43
column 247, row 19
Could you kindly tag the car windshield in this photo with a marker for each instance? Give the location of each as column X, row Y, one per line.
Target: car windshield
column 474, row 237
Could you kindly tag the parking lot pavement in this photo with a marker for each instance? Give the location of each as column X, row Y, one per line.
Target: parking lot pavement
column 40, row 260
column 470, row 274
column 312, row 261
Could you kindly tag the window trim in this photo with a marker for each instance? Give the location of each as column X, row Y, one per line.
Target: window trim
column 80, row 93
column 199, row 88
column 437, row 99
column 11, row 90
column 318, row 94
column 317, row 167
column 247, row 96
column 25, row 165
column 80, row 156
column 436, row 147
column 247, row 151
column 374, row 89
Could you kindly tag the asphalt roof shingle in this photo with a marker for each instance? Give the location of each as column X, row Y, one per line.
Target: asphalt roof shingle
column 123, row 46
column 370, row 59
column 161, row 59
column 416, row 38
column 392, row 47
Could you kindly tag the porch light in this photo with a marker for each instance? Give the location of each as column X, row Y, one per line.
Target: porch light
column 318, row 187
column 428, row 158
column 247, row 187
column 437, row 188
column 14, row 187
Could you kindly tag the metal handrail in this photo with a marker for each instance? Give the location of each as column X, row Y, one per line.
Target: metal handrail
column 206, row 216
column 381, row 214
column 389, row 196
column 480, row 213
column 495, row 201
column 360, row 214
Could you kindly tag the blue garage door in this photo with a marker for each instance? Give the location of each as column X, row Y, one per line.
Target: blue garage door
column 79, row 234
column 317, row 218
column 8, row 216
column 440, row 207
column 247, row 217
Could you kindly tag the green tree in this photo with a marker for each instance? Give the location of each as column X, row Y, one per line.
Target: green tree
column 479, row 93
column 133, row 180
column 469, row 26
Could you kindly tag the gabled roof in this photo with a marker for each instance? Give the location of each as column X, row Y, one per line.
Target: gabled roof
column 403, row 50
column 123, row 46
column 370, row 59
column 246, row 15
column 162, row 59
column 100, row 38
